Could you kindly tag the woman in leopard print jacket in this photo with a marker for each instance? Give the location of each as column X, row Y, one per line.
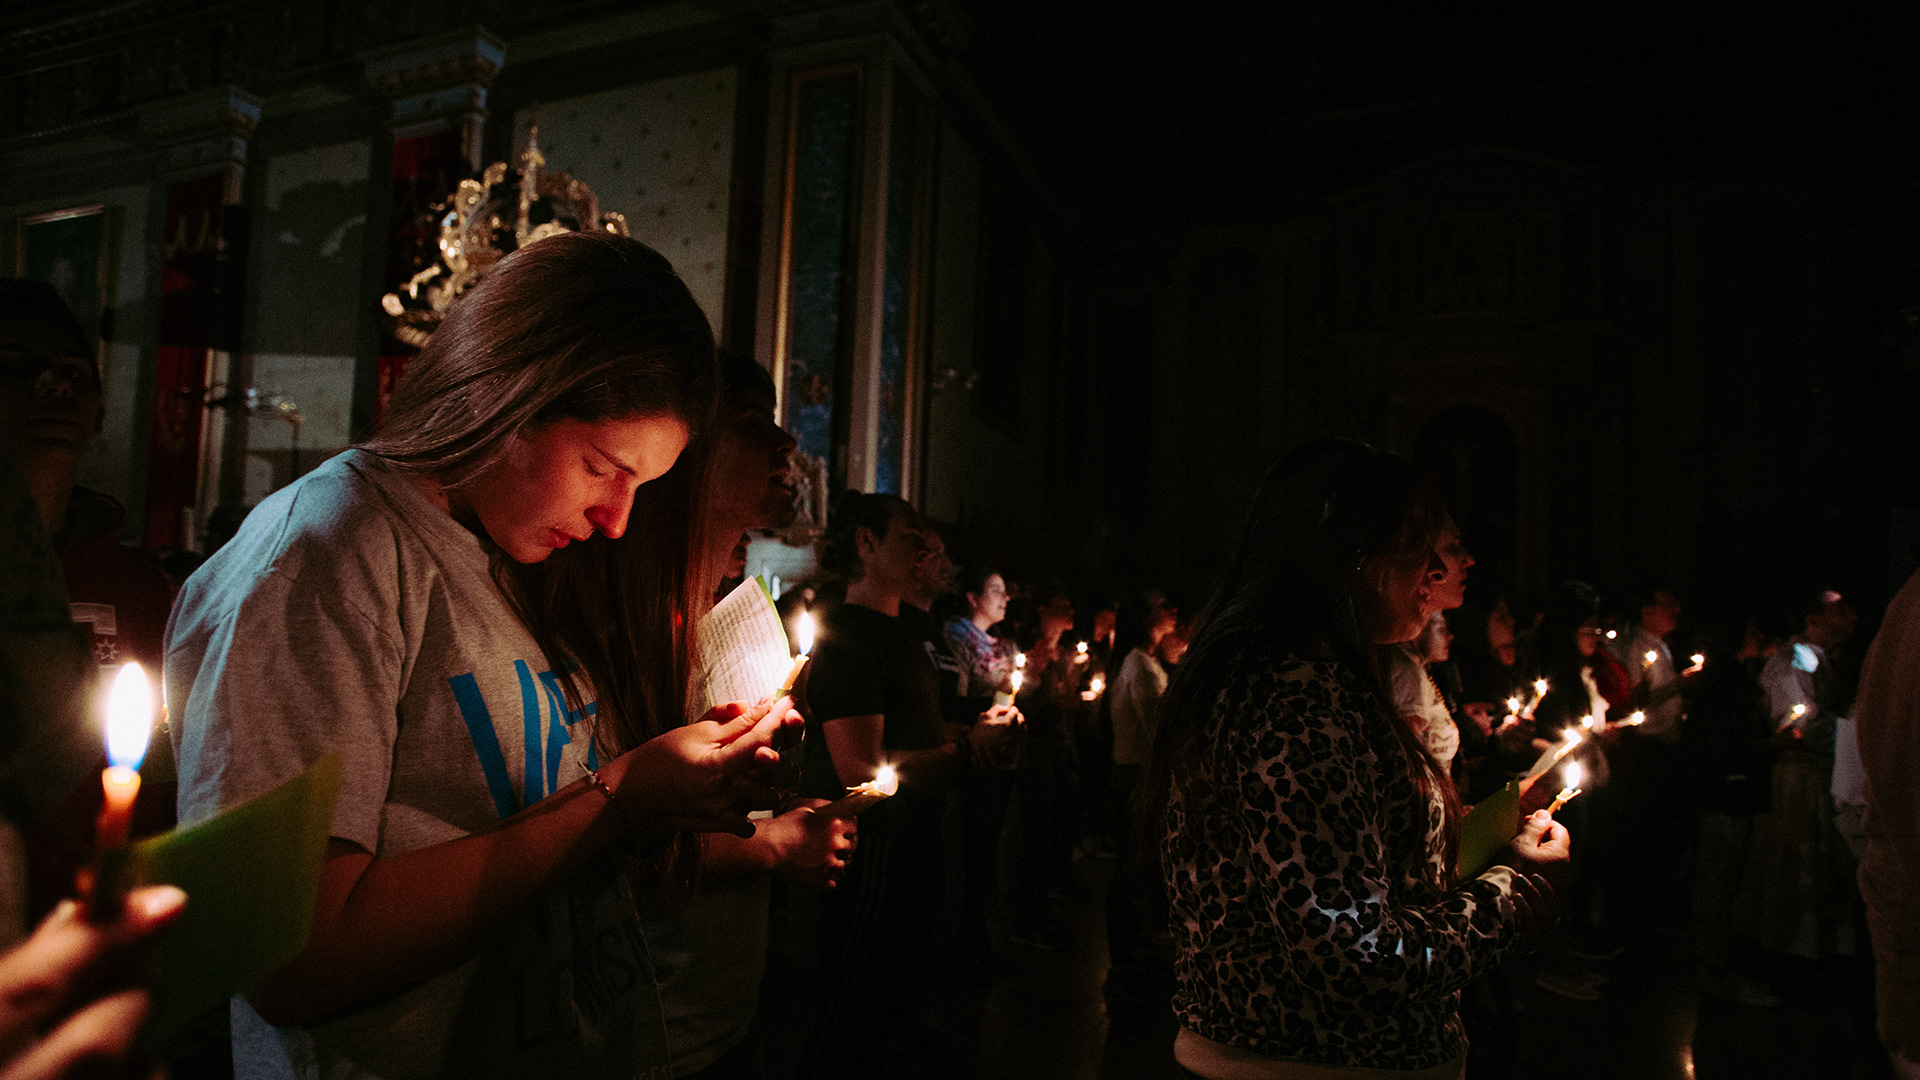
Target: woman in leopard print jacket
column 1308, row 832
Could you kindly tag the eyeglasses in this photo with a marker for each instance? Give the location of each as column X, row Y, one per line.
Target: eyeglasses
column 32, row 365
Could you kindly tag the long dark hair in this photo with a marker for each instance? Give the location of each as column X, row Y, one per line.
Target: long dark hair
column 1331, row 521
column 593, row 327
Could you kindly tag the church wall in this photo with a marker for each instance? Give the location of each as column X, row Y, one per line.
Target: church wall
column 660, row 152
column 305, row 304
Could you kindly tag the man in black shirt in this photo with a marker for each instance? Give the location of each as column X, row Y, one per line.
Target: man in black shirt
column 875, row 700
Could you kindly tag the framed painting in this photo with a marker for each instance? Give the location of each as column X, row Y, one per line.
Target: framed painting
column 72, row 250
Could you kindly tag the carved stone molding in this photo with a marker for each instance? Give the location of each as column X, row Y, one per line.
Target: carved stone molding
column 464, row 58
column 202, row 130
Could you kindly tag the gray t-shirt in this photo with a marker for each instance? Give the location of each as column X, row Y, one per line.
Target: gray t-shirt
column 350, row 615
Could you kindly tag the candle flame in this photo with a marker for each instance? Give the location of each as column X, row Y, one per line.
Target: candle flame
column 1651, row 656
column 1018, row 678
column 1020, row 660
column 1587, row 722
column 1635, row 718
column 1573, row 773
column 1799, row 711
column 886, row 780
column 803, row 629
column 129, row 717
column 1540, row 687
column 1098, row 684
column 1083, row 648
column 1611, row 634
column 1573, row 737
column 1513, row 704
column 1699, row 659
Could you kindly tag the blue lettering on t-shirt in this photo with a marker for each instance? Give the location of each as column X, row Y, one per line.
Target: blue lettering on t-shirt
column 486, row 744
column 542, row 775
column 530, row 724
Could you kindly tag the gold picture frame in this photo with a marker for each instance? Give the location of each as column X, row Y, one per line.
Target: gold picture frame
column 72, row 250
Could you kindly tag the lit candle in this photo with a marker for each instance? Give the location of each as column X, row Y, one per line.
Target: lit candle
column 1019, row 661
column 1574, row 773
column 1080, row 653
column 1611, row 634
column 1794, row 716
column 1017, row 678
column 1094, row 688
column 1539, row 691
column 803, row 629
column 1588, row 722
column 1568, row 742
column 884, row 784
column 1634, row 719
column 129, row 728
column 1649, row 657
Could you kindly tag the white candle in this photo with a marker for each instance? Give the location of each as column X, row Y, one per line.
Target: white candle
column 1574, row 773
column 803, row 629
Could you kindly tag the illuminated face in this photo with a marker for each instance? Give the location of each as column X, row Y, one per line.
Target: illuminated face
column 568, row 481
column 1448, row 588
column 933, row 574
column 751, row 485
column 1394, row 602
column 990, row 603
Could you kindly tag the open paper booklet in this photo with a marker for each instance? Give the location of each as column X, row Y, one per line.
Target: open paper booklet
column 743, row 647
column 251, row 876
column 1491, row 826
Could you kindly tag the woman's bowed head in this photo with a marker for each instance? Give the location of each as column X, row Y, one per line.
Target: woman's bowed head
column 533, row 425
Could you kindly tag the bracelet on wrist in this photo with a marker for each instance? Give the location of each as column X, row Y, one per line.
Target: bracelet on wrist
column 626, row 823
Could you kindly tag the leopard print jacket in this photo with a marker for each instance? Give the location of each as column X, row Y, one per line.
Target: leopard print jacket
column 1294, row 851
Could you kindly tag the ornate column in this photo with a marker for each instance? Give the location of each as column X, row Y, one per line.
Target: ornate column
column 195, row 461
column 438, row 89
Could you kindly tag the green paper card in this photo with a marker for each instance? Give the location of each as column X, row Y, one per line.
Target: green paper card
column 1491, row 826
column 251, row 876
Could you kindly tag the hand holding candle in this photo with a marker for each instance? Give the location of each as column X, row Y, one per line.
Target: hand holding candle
column 803, row 629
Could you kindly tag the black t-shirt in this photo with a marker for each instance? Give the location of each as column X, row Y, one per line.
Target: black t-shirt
column 868, row 664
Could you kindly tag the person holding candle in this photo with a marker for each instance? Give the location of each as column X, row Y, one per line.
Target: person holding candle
column 707, row 938
column 1798, row 896
column 388, row 609
column 875, row 700
column 1318, row 928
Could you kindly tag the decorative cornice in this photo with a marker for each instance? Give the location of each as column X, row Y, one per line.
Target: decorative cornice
column 216, row 112
column 467, row 57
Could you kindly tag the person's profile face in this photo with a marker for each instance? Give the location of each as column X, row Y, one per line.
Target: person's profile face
column 990, row 603
column 569, row 480
column 1449, row 584
column 751, row 483
column 1393, row 600
column 891, row 559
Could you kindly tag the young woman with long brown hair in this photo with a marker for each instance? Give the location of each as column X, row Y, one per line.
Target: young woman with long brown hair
column 1319, row 930
column 476, row 916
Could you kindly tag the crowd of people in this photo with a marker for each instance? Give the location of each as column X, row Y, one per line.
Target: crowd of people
column 551, row 853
